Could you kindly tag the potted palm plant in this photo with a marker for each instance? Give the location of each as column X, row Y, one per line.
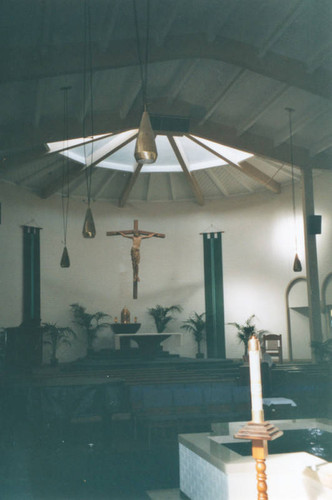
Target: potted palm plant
column 245, row 331
column 196, row 325
column 322, row 350
column 89, row 323
column 55, row 336
column 162, row 315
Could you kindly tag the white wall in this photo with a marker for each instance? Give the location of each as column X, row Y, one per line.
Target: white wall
column 258, row 253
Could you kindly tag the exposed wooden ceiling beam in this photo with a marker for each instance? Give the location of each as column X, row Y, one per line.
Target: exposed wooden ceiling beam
column 209, row 172
column 222, row 96
column 322, row 161
column 41, row 91
column 216, row 24
column 75, row 170
column 130, row 94
column 244, row 167
column 322, row 145
column 299, row 124
column 130, row 184
column 179, row 153
column 219, row 132
column 259, row 176
column 110, row 148
column 166, row 26
column 55, row 163
column 110, row 20
column 104, row 183
column 319, row 56
column 253, row 143
column 288, row 18
column 244, row 180
column 261, row 110
column 123, row 53
column 176, row 89
column 19, row 159
column 63, row 147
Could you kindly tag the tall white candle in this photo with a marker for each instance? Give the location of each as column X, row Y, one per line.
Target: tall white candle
column 257, row 413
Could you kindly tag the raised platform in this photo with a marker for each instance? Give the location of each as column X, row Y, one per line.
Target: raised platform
column 223, row 466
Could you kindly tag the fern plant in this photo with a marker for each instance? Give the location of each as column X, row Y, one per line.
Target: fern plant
column 89, row 323
column 162, row 315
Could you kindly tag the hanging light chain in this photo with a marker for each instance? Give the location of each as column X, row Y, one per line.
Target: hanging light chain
column 143, row 66
column 65, row 167
column 290, row 111
column 88, row 64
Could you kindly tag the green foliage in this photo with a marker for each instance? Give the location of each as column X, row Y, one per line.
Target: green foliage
column 323, row 350
column 162, row 316
column 196, row 324
column 89, row 323
column 55, row 336
column 245, row 331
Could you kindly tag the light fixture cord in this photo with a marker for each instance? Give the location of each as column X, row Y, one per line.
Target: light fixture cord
column 88, row 62
column 290, row 111
column 65, row 167
column 143, row 67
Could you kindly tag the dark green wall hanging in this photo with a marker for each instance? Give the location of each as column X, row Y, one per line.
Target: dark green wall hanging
column 31, row 275
column 214, row 295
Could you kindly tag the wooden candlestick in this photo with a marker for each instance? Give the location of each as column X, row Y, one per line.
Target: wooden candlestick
column 258, row 431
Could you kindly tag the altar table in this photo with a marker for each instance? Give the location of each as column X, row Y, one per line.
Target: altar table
column 149, row 344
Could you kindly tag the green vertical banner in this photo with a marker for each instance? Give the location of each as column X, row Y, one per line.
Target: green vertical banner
column 31, row 275
column 214, row 295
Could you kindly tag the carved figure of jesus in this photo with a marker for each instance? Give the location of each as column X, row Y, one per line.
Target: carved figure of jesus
column 136, row 235
column 135, row 250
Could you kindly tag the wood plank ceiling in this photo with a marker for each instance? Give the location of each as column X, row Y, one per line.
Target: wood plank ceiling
column 227, row 69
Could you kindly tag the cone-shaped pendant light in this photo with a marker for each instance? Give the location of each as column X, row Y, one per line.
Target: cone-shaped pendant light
column 145, row 150
column 297, row 266
column 65, row 261
column 89, row 229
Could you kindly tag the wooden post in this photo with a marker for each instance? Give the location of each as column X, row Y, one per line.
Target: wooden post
column 134, row 289
column 259, row 453
column 311, row 258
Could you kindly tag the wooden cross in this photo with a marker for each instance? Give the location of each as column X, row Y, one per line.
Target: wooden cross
column 137, row 235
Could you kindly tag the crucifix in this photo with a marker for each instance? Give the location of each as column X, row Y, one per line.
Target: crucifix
column 137, row 235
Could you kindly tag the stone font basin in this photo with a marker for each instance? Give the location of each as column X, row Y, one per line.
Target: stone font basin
column 125, row 327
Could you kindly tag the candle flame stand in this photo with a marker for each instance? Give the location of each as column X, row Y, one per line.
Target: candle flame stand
column 258, row 431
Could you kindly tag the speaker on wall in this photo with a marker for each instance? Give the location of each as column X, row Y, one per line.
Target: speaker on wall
column 314, row 224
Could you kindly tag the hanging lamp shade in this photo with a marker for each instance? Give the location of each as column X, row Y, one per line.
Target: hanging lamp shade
column 145, row 150
column 65, row 261
column 297, row 266
column 89, row 229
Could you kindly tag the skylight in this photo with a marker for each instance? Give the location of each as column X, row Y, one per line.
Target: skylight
column 116, row 152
